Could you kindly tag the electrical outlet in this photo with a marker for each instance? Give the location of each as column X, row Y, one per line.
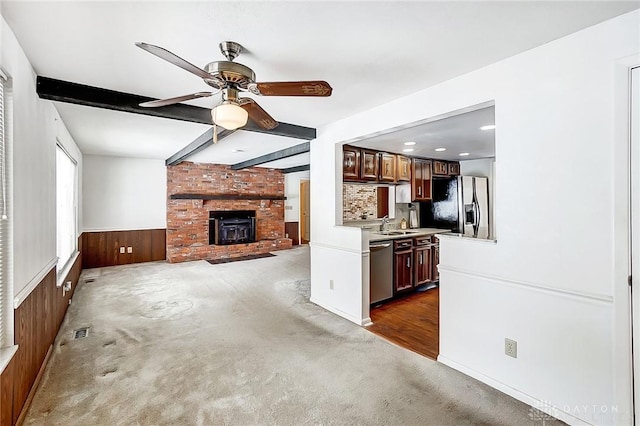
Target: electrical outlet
column 511, row 348
column 121, row 249
column 330, row 284
column 129, row 249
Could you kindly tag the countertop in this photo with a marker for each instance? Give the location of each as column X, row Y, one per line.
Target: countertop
column 408, row 233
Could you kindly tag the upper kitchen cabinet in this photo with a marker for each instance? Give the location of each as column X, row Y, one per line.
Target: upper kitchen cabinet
column 350, row 163
column 368, row 165
column 403, row 168
column 420, row 179
column 387, row 167
column 440, row 168
column 454, row 169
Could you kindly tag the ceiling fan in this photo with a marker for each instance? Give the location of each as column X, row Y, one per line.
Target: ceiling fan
column 232, row 78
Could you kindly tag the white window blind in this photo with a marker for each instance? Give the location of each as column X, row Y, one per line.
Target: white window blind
column 66, row 206
column 5, row 222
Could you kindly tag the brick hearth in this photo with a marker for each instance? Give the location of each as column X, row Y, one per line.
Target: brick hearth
column 188, row 220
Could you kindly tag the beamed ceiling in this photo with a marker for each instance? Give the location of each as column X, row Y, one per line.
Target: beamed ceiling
column 370, row 53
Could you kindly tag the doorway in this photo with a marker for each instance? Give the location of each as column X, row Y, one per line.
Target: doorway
column 305, row 212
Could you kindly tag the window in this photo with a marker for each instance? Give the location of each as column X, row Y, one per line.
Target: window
column 6, row 322
column 66, row 209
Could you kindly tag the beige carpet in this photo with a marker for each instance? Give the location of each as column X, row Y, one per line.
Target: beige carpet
column 240, row 344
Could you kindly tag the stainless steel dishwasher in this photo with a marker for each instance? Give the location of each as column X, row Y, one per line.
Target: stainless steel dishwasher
column 381, row 271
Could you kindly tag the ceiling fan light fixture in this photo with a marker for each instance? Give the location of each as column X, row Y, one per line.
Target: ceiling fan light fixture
column 229, row 115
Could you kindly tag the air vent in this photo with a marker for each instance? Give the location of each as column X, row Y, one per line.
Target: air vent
column 80, row 333
column 89, row 280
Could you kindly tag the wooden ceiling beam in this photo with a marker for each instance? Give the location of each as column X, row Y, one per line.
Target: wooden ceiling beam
column 273, row 156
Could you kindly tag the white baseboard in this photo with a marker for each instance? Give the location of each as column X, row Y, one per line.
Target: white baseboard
column 520, row 396
column 340, row 313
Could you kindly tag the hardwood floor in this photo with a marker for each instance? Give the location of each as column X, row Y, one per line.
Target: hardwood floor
column 411, row 322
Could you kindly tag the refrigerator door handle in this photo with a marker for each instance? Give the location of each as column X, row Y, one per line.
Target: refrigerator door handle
column 476, row 224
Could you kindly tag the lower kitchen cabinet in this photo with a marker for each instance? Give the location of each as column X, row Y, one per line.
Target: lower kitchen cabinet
column 435, row 276
column 423, row 266
column 403, row 265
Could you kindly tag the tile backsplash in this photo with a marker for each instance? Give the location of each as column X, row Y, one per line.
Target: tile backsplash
column 359, row 202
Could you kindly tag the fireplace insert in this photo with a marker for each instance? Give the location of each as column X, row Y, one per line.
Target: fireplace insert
column 232, row 227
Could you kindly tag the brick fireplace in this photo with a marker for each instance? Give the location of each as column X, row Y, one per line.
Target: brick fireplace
column 196, row 193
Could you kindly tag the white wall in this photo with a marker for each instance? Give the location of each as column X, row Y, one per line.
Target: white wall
column 551, row 282
column 36, row 126
column 124, row 193
column 292, row 192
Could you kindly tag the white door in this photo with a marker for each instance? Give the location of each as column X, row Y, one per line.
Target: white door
column 635, row 233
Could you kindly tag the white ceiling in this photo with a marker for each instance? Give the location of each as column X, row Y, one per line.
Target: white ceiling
column 370, row 52
column 459, row 133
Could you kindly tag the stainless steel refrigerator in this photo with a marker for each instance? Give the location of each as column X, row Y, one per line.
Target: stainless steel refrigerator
column 458, row 203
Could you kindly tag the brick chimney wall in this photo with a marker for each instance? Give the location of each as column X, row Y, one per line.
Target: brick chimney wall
column 188, row 220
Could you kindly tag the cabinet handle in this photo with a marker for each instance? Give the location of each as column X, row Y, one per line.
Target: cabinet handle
column 408, row 262
column 421, row 258
column 349, row 162
column 419, row 190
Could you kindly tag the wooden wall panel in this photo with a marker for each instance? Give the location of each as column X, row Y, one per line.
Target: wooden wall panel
column 291, row 229
column 37, row 322
column 6, row 394
column 103, row 248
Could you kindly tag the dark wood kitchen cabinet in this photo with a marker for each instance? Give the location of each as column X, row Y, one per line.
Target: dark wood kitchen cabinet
column 454, row 169
column 403, row 168
column 369, row 165
column 422, row 256
column 403, row 265
column 420, row 179
column 440, row 168
column 435, row 275
column 387, row 167
column 350, row 163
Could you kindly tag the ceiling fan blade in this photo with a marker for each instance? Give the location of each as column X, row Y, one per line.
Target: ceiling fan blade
column 177, row 99
column 292, row 88
column 174, row 59
column 257, row 114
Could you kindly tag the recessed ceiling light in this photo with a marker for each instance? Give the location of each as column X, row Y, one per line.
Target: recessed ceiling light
column 463, row 154
column 409, row 143
column 237, row 150
column 440, row 149
column 488, row 127
column 407, row 150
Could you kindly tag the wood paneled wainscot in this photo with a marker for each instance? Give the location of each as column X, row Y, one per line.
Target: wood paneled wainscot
column 105, row 248
column 37, row 320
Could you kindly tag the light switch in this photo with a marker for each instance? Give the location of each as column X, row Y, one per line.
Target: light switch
column 129, row 249
column 121, row 249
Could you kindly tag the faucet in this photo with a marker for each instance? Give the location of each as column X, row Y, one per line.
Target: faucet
column 385, row 223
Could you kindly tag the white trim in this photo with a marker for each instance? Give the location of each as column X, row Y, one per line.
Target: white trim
column 61, row 275
column 520, row 396
column 461, row 237
column 600, row 298
column 5, row 356
column 121, row 229
column 332, row 247
column 31, row 285
column 358, row 321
